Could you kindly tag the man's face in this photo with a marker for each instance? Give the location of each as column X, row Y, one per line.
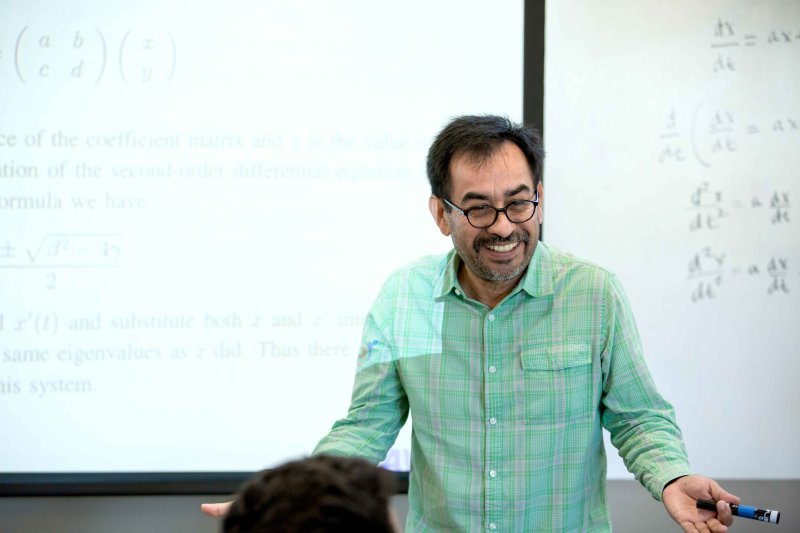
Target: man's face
column 501, row 252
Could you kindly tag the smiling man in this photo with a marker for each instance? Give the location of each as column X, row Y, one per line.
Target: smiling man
column 511, row 357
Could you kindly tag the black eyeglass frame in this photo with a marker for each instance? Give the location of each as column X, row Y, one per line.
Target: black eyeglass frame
column 497, row 211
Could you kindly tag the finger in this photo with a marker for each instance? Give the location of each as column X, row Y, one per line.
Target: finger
column 718, row 493
column 211, row 509
column 705, row 516
column 702, row 527
column 215, row 509
column 724, row 514
column 716, row 526
column 713, row 524
column 688, row 527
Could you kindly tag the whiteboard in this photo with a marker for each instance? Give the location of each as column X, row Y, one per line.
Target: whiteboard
column 198, row 204
column 672, row 132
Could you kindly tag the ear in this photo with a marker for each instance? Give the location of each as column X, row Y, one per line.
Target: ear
column 436, row 208
column 540, row 208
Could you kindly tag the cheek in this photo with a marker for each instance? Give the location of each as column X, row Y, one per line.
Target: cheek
column 459, row 239
column 533, row 228
column 470, row 241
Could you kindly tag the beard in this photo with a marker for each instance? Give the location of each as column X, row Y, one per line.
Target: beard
column 496, row 272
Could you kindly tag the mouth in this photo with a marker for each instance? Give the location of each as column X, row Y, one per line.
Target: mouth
column 502, row 248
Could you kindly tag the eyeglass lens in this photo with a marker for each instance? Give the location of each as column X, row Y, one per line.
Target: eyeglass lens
column 485, row 216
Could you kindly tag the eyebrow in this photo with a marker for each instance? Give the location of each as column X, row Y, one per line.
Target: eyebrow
column 477, row 196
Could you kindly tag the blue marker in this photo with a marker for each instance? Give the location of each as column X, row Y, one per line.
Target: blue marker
column 745, row 511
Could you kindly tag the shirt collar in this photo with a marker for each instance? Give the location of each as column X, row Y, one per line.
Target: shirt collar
column 537, row 280
column 449, row 278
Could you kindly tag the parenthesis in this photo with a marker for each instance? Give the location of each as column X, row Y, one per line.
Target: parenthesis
column 16, row 55
column 174, row 56
column 103, row 65
column 121, row 49
column 695, row 151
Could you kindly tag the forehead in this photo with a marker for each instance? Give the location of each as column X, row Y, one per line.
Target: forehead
column 505, row 170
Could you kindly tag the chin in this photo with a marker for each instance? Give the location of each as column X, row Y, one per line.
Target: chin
column 505, row 274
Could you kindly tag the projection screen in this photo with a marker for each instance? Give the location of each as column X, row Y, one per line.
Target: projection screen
column 198, row 204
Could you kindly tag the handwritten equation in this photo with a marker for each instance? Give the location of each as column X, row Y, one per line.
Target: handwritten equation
column 709, row 208
column 88, row 56
column 727, row 43
column 716, row 132
column 708, row 271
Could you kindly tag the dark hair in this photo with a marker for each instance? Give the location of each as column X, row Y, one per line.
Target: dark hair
column 318, row 494
column 480, row 137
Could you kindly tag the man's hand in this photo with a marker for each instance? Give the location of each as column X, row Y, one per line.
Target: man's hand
column 680, row 498
column 216, row 509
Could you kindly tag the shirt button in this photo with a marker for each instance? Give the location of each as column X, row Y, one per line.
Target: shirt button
column 492, row 526
column 458, row 292
column 492, row 369
column 491, row 318
column 492, row 473
column 493, row 421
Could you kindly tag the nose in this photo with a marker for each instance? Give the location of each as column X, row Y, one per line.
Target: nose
column 502, row 227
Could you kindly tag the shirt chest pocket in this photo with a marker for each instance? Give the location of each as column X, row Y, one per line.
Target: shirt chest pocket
column 557, row 382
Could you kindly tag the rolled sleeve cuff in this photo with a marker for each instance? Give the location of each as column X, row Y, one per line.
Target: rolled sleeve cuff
column 657, row 481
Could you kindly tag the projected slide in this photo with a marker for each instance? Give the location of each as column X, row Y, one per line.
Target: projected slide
column 198, row 204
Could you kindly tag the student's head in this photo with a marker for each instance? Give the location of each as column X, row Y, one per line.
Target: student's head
column 486, row 194
column 319, row 494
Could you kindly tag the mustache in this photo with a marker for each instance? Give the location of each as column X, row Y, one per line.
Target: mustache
column 492, row 240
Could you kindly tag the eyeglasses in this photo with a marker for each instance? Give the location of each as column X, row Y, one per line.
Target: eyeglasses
column 483, row 216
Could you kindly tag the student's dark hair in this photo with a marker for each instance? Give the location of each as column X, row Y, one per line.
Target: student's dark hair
column 479, row 137
column 319, row 494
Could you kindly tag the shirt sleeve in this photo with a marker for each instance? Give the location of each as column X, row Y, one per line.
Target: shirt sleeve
column 378, row 406
column 641, row 422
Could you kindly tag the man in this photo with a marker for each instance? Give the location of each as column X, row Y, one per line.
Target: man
column 511, row 357
column 318, row 494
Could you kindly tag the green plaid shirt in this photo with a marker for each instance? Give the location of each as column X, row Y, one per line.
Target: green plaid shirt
column 508, row 404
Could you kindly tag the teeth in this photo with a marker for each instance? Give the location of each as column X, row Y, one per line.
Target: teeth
column 503, row 248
